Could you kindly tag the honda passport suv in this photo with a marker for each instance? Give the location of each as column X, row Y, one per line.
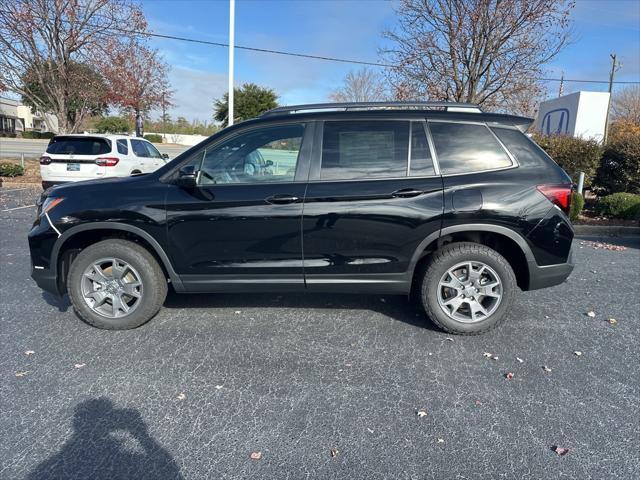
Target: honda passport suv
column 439, row 200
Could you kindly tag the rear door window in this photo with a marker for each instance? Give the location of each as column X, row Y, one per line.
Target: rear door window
column 364, row 149
column 467, row 147
column 123, row 148
column 79, row 146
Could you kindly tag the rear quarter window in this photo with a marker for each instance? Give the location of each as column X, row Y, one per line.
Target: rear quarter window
column 467, row 148
column 79, row 146
column 525, row 150
column 123, row 148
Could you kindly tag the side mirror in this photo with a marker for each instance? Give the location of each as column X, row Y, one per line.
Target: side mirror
column 268, row 163
column 187, row 177
column 165, row 156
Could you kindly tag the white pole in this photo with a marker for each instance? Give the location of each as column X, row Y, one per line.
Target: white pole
column 232, row 15
column 580, row 182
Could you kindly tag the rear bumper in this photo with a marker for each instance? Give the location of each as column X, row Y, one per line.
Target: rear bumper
column 549, row 275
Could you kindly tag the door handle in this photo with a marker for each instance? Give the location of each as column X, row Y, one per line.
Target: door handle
column 407, row 193
column 281, row 199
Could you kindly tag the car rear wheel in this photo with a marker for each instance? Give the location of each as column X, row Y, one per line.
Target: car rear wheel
column 116, row 285
column 467, row 288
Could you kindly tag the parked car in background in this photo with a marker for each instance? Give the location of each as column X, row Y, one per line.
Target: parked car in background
column 71, row 158
column 456, row 207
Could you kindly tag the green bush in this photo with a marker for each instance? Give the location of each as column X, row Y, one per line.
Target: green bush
column 35, row 134
column 573, row 154
column 619, row 169
column 10, row 170
column 620, row 205
column 577, row 204
column 112, row 125
column 153, row 137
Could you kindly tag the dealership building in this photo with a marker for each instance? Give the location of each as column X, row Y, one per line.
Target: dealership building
column 16, row 118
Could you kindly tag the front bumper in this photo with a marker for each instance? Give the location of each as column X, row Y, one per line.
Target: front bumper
column 46, row 280
column 549, row 275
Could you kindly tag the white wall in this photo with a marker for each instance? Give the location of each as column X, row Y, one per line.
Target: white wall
column 179, row 138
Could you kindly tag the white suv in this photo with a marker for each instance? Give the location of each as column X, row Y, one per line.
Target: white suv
column 71, row 158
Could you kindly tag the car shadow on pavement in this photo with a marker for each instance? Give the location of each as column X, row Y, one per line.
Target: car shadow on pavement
column 61, row 303
column 398, row 307
column 108, row 443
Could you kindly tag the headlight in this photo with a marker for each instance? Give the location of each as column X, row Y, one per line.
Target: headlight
column 50, row 203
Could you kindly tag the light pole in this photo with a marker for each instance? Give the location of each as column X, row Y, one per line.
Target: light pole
column 232, row 14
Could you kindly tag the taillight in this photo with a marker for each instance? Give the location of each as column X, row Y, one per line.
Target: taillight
column 44, row 160
column 107, row 161
column 559, row 195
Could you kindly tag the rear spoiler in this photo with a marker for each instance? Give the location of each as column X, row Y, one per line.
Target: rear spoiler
column 522, row 123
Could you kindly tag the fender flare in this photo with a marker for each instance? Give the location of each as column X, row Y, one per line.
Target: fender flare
column 67, row 234
column 473, row 227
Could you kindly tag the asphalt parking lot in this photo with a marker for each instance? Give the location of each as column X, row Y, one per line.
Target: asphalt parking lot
column 323, row 386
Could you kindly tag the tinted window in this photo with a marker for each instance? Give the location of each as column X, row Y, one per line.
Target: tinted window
column 79, row 146
column 142, row 148
column 463, row 148
column 122, row 146
column 421, row 163
column 368, row 149
column 521, row 147
column 261, row 155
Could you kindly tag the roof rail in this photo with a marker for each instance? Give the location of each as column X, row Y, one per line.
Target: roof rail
column 447, row 106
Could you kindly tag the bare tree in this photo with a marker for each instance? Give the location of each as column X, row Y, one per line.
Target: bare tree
column 625, row 105
column 42, row 42
column 488, row 52
column 364, row 85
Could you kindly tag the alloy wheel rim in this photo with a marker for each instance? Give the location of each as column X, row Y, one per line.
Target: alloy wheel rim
column 470, row 292
column 111, row 287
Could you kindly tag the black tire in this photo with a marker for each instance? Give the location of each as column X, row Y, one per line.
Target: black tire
column 449, row 256
column 153, row 280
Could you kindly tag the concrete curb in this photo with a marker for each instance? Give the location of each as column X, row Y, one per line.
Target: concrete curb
column 606, row 230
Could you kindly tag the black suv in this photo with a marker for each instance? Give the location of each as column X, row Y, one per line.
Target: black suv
column 456, row 206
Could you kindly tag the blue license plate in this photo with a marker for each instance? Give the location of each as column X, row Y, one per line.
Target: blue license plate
column 73, row 167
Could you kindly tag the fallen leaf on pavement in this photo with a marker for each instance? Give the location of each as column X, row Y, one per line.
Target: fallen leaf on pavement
column 612, row 321
column 487, row 354
column 561, row 450
column 369, row 430
column 546, row 369
column 22, row 374
column 422, row 413
column 577, row 353
column 519, row 359
column 334, row 452
column 449, row 339
column 591, row 314
column 495, row 357
column 509, row 376
column 182, row 396
column 218, row 387
column 80, row 365
column 29, row 352
column 441, row 440
column 255, row 455
column 478, row 402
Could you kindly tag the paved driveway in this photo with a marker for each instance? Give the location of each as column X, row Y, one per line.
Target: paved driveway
column 215, row 378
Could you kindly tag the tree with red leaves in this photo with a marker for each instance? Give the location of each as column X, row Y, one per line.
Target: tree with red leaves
column 137, row 78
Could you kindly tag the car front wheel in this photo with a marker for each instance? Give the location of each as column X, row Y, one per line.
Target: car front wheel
column 116, row 285
column 467, row 288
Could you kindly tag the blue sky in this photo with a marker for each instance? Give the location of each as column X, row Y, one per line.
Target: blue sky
column 345, row 29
